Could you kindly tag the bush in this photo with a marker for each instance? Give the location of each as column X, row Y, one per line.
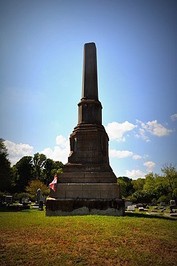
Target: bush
column 164, row 198
column 34, row 185
column 20, row 196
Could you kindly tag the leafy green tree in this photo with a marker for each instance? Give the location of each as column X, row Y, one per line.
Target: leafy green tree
column 14, row 178
column 24, row 172
column 39, row 161
column 51, row 168
column 126, row 186
column 157, row 188
column 57, row 169
column 30, row 168
column 141, row 196
column 34, row 185
column 138, row 184
column 161, row 189
column 150, row 188
column 49, row 165
column 174, row 196
column 170, row 177
column 149, row 184
column 5, row 169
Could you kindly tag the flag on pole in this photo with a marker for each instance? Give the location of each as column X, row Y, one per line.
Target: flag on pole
column 52, row 185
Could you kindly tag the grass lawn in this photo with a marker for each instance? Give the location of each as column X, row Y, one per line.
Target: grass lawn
column 31, row 238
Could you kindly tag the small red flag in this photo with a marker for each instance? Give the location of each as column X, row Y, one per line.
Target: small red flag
column 52, row 185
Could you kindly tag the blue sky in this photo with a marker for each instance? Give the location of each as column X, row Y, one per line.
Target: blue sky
column 41, row 51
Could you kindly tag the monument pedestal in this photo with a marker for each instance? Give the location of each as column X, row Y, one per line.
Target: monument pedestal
column 86, row 197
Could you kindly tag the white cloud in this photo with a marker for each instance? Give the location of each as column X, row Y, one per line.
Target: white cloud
column 120, row 154
column 117, row 131
column 136, row 157
column 173, row 117
column 157, row 129
column 60, row 152
column 135, row 174
column 123, row 154
column 153, row 128
column 61, row 141
column 17, row 150
column 142, row 134
column 149, row 166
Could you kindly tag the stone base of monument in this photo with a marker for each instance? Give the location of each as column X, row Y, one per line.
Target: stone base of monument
column 64, row 207
column 85, row 198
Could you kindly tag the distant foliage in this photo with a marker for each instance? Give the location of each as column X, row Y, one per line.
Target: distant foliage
column 15, row 179
column 153, row 188
column 39, row 161
column 126, row 186
column 5, row 169
column 34, row 185
column 23, row 172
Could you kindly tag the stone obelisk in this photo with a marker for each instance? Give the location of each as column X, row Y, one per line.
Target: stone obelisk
column 87, row 184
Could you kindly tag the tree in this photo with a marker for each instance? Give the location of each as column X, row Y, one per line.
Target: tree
column 138, row 184
column 39, row 161
column 141, row 196
column 5, row 169
column 149, row 188
column 50, row 169
column 34, row 185
column 57, row 169
column 149, row 184
column 49, row 165
column 126, row 186
column 161, row 189
column 170, row 177
column 30, row 168
column 24, row 172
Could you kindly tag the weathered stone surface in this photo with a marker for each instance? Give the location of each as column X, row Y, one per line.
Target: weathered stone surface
column 89, row 145
column 86, row 191
column 84, row 206
column 89, row 78
column 87, row 177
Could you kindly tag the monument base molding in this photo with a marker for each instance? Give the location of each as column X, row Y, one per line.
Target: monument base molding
column 66, row 207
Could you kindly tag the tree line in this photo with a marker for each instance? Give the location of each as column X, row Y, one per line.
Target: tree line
column 32, row 172
column 16, row 178
column 152, row 189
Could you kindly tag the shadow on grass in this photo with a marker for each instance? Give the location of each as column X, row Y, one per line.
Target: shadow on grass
column 128, row 214
column 145, row 215
column 13, row 208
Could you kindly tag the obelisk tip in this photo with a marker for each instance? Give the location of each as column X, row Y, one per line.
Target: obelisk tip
column 90, row 44
column 89, row 85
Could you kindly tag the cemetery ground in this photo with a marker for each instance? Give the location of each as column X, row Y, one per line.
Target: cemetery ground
column 30, row 238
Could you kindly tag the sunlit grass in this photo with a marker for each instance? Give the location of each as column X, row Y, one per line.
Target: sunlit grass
column 31, row 238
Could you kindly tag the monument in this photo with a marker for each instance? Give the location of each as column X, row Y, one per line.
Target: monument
column 87, row 184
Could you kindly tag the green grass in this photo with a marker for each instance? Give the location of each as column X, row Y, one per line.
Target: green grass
column 31, row 238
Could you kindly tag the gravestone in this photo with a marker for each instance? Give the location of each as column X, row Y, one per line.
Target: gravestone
column 88, row 184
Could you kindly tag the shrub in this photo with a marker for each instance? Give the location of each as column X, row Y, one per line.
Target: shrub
column 34, row 185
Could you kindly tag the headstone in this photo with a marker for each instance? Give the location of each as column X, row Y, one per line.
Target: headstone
column 8, row 199
column 131, row 208
column 88, row 184
column 173, row 206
